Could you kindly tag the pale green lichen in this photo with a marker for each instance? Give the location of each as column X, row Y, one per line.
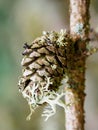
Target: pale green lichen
column 37, row 95
column 61, row 41
column 55, row 37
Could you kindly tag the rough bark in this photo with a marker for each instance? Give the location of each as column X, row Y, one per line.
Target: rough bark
column 75, row 96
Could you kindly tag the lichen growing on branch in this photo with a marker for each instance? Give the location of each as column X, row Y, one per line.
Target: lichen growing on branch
column 48, row 64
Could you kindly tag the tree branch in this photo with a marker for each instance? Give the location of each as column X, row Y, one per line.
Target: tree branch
column 75, row 96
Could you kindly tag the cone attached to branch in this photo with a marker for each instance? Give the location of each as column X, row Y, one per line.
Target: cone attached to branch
column 44, row 66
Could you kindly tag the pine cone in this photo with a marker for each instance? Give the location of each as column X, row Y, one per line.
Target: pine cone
column 44, row 66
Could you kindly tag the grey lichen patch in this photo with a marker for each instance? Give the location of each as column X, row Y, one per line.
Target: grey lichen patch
column 78, row 29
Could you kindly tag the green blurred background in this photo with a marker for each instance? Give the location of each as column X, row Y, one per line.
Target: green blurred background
column 22, row 21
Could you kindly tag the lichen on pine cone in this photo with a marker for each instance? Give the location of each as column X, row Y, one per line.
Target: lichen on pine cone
column 44, row 67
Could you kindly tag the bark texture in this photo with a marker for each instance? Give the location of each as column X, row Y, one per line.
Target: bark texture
column 79, row 30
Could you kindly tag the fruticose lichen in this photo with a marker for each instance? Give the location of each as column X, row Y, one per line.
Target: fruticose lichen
column 37, row 95
column 49, row 62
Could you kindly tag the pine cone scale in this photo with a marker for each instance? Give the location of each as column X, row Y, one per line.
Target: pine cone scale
column 34, row 54
column 51, row 59
column 34, row 65
column 43, row 51
column 62, row 60
column 36, row 78
column 42, row 72
column 26, row 61
column 42, row 61
column 49, row 70
column 51, row 49
column 27, row 73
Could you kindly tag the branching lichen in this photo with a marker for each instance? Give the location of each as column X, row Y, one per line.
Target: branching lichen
column 52, row 60
column 37, row 94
